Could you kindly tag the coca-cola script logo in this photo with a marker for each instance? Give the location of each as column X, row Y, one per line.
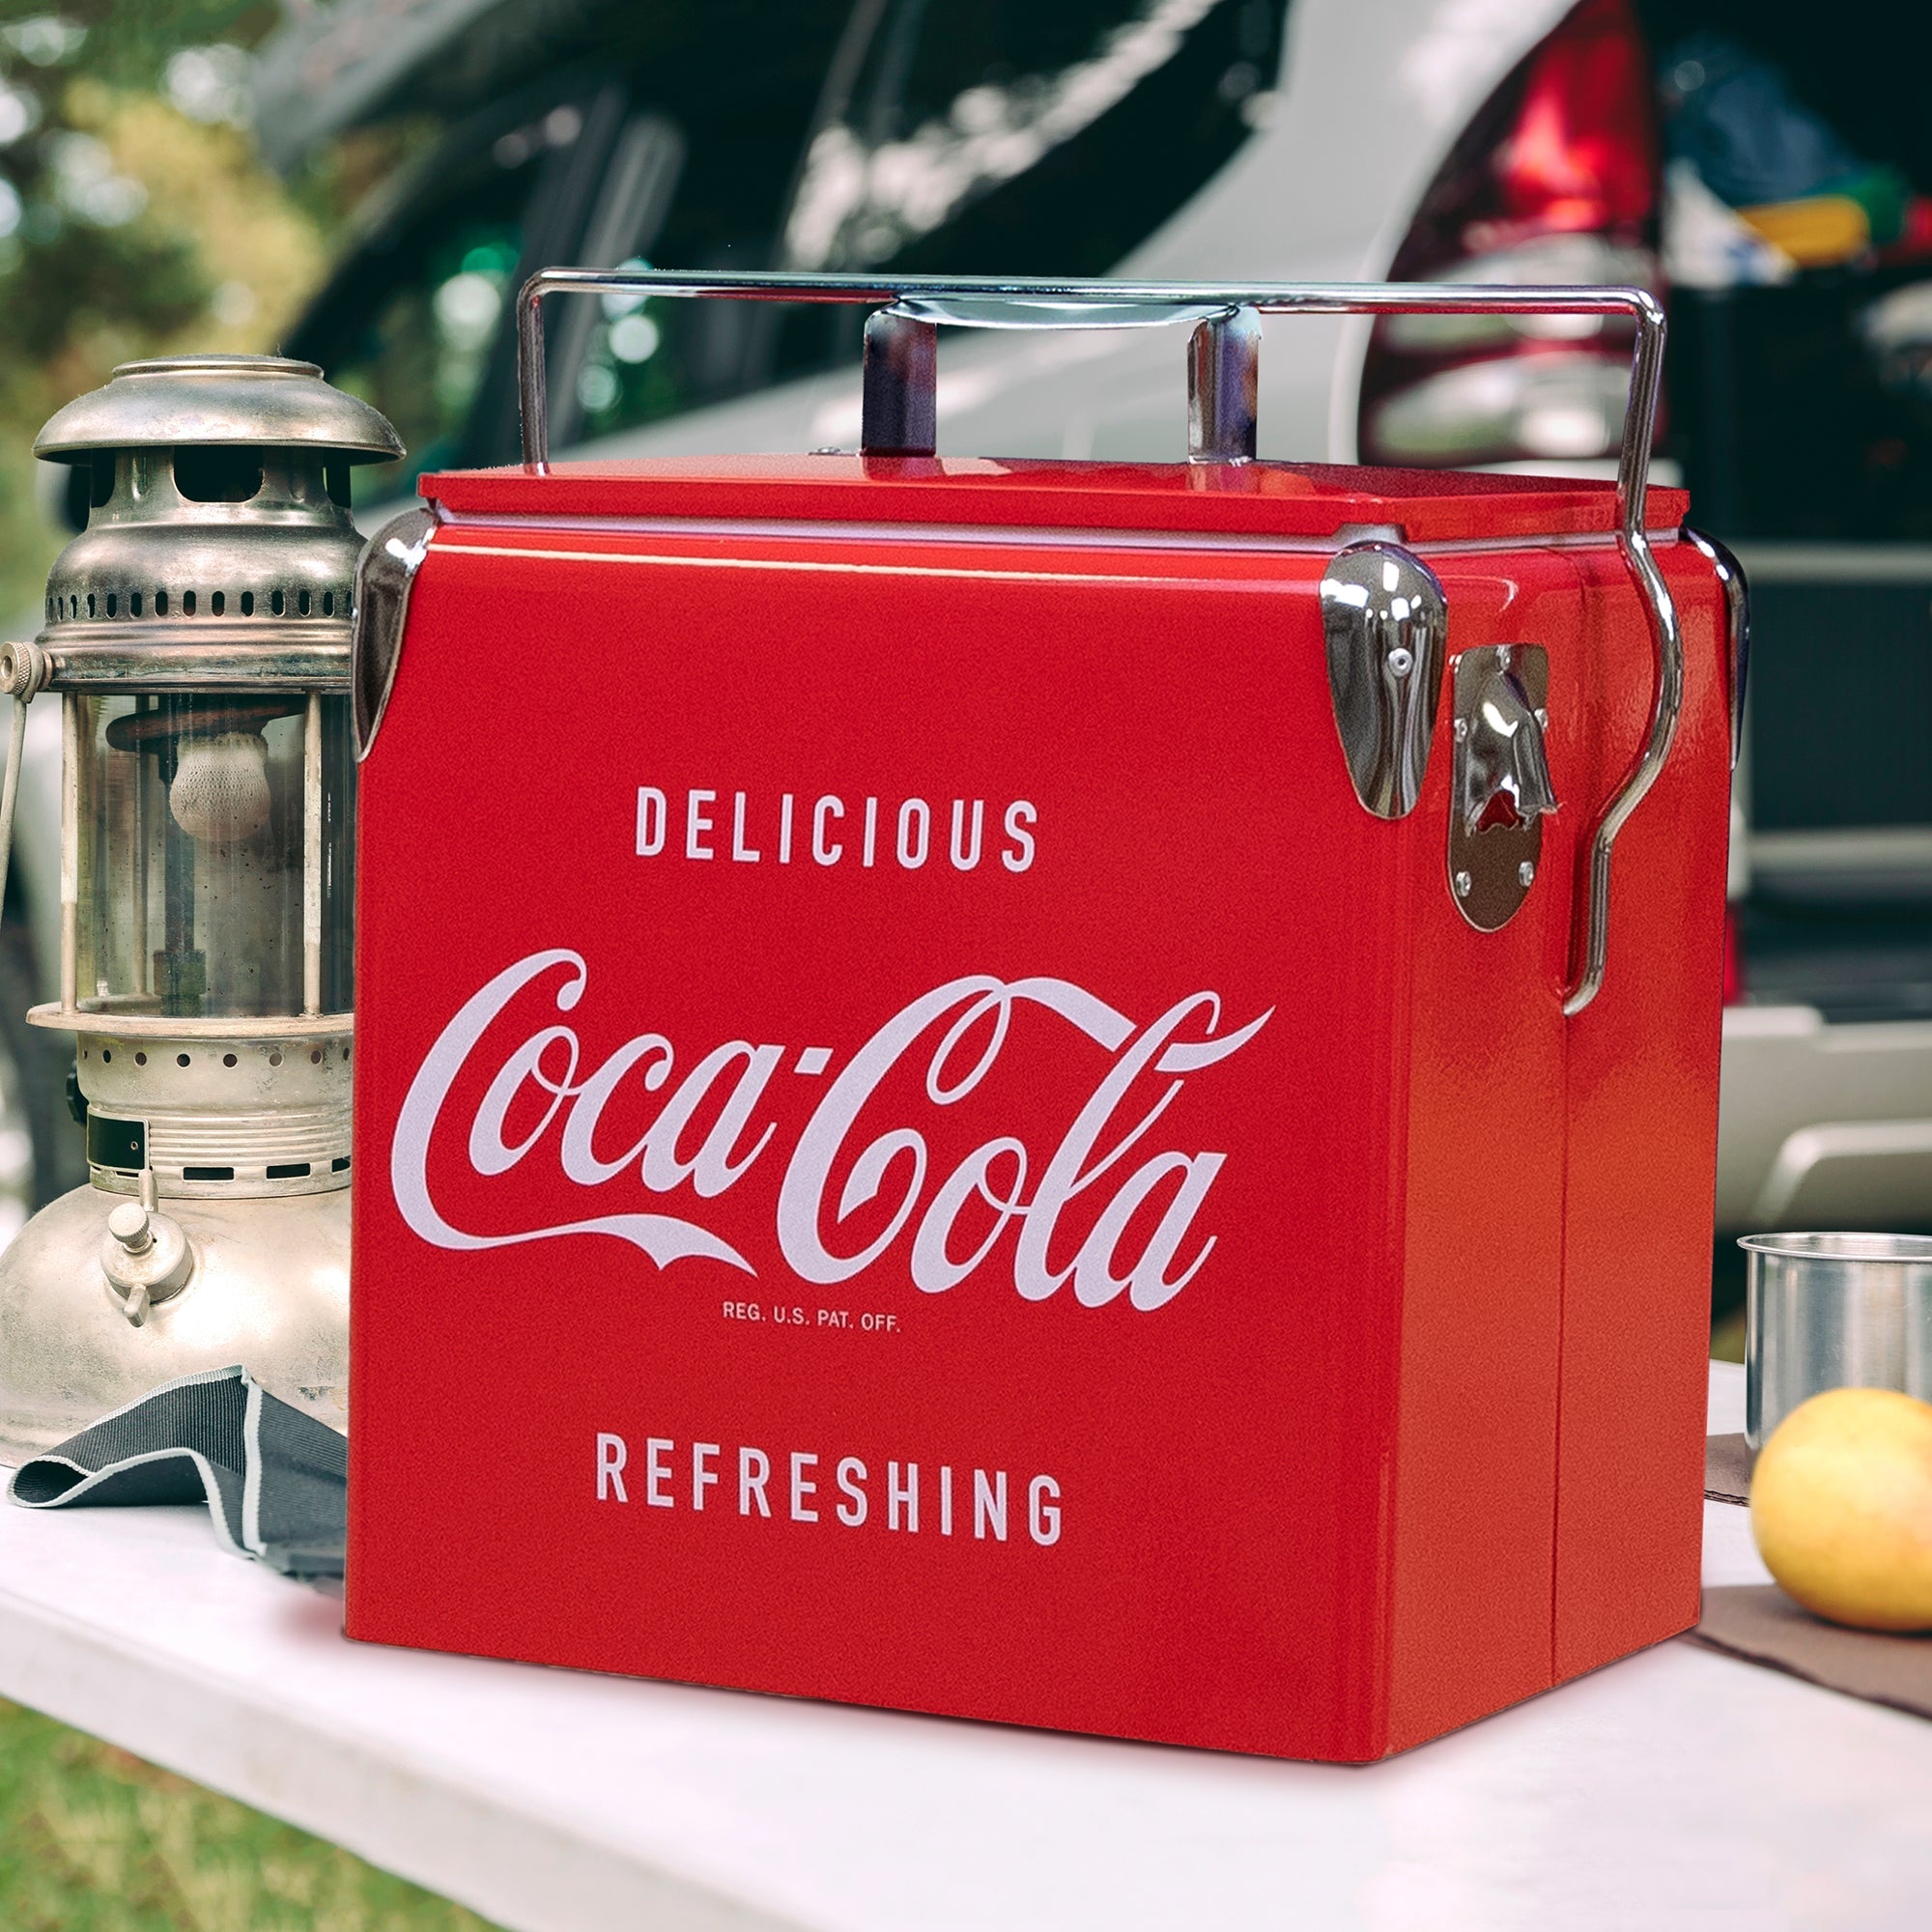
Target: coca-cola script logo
column 960, row 1028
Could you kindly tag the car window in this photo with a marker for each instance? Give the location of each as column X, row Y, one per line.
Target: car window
column 410, row 318
column 1024, row 135
column 589, row 138
column 923, row 135
column 991, row 138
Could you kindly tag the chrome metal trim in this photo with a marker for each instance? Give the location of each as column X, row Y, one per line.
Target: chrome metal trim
column 123, row 660
column 1737, row 614
column 153, row 561
column 1092, row 303
column 113, row 1024
column 232, row 400
column 1016, row 535
column 1223, row 386
column 1666, row 708
column 312, row 856
column 988, row 572
column 1384, row 623
column 1769, row 562
column 899, row 409
column 275, row 1110
column 1500, row 690
column 997, row 303
column 383, row 582
column 70, row 866
column 990, row 302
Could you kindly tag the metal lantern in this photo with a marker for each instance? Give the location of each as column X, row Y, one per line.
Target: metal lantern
column 197, row 634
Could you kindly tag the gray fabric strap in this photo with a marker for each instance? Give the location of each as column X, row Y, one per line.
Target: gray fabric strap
column 275, row 1480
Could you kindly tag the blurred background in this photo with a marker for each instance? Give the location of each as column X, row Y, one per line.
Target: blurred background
column 363, row 183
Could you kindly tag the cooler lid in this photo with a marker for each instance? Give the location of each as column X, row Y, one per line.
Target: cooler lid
column 1284, row 500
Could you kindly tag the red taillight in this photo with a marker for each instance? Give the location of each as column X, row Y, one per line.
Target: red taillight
column 1555, row 180
column 1582, row 153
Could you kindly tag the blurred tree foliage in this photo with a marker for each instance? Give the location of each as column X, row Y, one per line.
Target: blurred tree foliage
column 134, row 219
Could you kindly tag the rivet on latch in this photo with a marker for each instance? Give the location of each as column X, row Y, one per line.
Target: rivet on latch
column 1526, row 872
column 1464, row 885
column 1401, row 662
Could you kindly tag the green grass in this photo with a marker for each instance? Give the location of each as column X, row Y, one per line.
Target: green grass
column 95, row 1840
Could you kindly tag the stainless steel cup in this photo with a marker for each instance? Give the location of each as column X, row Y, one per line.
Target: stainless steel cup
column 1834, row 1311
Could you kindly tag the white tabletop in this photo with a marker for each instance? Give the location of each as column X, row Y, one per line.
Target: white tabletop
column 1676, row 1788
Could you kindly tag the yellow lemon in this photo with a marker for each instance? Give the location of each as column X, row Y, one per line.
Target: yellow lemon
column 1841, row 1508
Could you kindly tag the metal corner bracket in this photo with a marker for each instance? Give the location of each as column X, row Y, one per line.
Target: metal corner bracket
column 383, row 577
column 1384, row 624
column 1737, row 617
column 1502, row 791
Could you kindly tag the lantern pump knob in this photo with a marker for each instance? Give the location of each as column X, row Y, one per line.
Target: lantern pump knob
column 129, row 1225
column 143, row 1255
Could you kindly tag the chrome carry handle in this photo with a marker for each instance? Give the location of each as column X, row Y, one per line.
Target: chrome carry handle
column 899, row 413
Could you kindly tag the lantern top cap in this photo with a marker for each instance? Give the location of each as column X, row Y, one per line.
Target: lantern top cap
column 257, row 401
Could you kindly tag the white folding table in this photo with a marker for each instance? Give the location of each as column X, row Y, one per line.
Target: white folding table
column 1678, row 1788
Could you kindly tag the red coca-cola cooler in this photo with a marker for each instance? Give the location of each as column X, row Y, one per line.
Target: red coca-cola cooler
column 1074, row 1093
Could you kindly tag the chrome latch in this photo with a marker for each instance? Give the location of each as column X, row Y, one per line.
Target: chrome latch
column 1501, row 784
column 1384, row 620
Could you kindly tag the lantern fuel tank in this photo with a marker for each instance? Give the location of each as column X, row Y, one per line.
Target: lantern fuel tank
column 196, row 639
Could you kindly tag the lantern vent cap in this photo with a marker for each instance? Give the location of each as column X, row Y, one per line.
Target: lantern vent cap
column 240, row 401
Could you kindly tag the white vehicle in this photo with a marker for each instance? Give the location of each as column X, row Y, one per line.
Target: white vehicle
column 1245, row 140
